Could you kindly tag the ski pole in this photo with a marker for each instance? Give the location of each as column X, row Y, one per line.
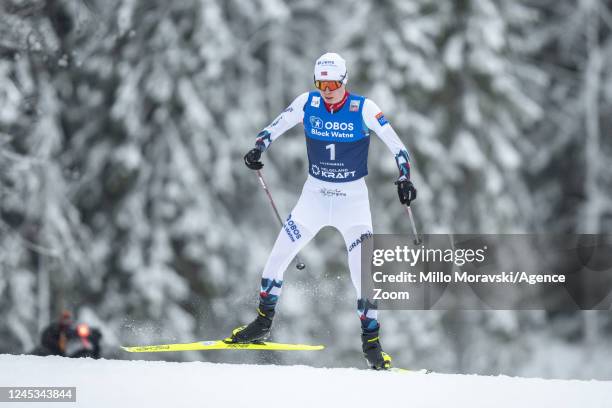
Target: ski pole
column 299, row 265
column 417, row 239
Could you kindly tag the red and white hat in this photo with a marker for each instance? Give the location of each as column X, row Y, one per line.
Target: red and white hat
column 330, row 67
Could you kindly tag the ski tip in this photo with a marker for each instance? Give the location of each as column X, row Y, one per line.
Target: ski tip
column 408, row 371
column 144, row 349
column 275, row 346
column 312, row 346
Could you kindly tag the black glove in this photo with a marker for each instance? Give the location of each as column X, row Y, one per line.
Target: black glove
column 251, row 159
column 405, row 190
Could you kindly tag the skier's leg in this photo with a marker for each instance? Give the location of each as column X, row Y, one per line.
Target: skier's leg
column 356, row 240
column 291, row 239
column 306, row 219
column 353, row 218
column 309, row 215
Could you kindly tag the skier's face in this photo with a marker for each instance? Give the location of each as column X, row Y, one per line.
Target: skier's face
column 335, row 96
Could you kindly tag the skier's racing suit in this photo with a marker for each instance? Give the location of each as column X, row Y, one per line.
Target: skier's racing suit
column 335, row 193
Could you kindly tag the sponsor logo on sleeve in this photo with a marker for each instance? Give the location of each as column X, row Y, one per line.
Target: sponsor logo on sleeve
column 315, row 102
column 381, row 119
column 276, row 121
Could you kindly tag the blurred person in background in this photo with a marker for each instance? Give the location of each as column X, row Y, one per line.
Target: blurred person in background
column 68, row 339
column 337, row 126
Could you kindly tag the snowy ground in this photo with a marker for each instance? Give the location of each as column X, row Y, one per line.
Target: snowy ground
column 116, row 383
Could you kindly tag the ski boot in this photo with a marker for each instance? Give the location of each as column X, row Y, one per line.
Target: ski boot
column 257, row 331
column 370, row 344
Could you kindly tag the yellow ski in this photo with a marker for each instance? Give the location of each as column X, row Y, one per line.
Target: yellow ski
column 406, row 371
column 221, row 345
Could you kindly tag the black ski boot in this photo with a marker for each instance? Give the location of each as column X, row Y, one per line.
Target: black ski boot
column 257, row 331
column 376, row 357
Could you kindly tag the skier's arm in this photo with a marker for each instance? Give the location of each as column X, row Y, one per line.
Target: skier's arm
column 288, row 118
column 375, row 120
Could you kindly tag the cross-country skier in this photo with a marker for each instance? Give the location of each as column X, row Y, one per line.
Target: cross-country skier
column 337, row 126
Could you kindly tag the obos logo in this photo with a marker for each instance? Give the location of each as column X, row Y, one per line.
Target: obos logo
column 338, row 126
column 316, row 122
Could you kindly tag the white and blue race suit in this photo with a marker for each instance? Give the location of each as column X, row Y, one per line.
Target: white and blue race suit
column 335, row 193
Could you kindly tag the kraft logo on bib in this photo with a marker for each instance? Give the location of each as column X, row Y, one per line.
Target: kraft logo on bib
column 331, row 174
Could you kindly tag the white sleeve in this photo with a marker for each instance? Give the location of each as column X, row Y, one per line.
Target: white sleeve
column 375, row 120
column 288, row 118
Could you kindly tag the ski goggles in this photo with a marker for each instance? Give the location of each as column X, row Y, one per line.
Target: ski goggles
column 331, row 85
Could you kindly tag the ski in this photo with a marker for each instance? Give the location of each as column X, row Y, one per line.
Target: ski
column 407, row 371
column 221, row 345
